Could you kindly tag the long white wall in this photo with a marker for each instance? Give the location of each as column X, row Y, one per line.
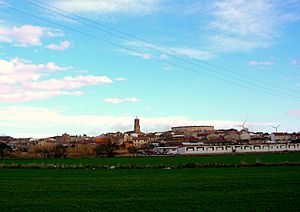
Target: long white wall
column 198, row 150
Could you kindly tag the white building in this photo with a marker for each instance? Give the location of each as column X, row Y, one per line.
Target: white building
column 202, row 150
column 280, row 137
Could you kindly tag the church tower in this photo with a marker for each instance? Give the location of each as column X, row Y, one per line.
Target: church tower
column 137, row 128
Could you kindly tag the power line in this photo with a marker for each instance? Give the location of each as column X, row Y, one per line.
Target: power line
column 162, row 61
column 135, row 51
column 151, row 46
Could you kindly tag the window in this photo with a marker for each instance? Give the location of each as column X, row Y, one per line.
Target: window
column 210, row 148
column 200, row 148
column 247, row 147
column 257, row 147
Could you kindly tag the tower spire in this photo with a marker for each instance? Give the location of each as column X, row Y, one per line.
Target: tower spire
column 137, row 128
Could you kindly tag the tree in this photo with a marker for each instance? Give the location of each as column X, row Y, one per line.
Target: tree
column 110, row 148
column 59, row 151
column 106, row 149
column 3, row 148
column 100, row 149
column 41, row 150
column 133, row 150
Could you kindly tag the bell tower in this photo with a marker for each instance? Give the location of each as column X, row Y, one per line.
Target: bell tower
column 137, row 128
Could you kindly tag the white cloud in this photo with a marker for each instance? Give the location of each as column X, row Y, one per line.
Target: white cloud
column 59, row 47
column 21, row 81
column 22, row 71
column 3, row 3
column 294, row 112
column 26, row 35
column 52, row 122
column 244, row 25
column 244, row 17
column 69, row 83
column 145, row 56
column 6, row 67
column 295, row 62
column 120, row 79
column 120, row 100
column 20, row 95
column 108, row 6
column 149, row 51
column 190, row 52
column 236, row 44
column 260, row 63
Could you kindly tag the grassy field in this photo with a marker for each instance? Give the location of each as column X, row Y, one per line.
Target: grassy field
column 230, row 189
column 166, row 160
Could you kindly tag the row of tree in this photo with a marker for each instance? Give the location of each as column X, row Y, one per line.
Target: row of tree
column 58, row 150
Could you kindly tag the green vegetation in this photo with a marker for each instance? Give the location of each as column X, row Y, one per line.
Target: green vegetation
column 230, row 189
column 161, row 161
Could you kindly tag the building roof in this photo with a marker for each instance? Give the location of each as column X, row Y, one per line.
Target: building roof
column 190, row 126
column 281, row 134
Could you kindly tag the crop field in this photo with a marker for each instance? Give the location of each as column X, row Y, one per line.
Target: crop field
column 159, row 161
column 144, row 184
column 230, row 189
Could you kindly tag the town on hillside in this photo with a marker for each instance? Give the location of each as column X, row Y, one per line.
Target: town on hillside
column 180, row 140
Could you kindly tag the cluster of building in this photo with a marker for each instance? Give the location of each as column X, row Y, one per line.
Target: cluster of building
column 178, row 140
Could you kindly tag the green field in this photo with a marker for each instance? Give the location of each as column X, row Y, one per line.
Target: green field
column 153, row 188
column 166, row 160
column 230, row 189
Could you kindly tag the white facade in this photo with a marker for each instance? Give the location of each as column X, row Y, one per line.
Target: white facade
column 202, row 150
column 280, row 137
column 245, row 136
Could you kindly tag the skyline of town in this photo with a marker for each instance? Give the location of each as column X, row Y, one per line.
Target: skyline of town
column 179, row 140
column 136, row 127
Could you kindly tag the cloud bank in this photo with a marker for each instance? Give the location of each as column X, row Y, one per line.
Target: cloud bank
column 27, row 35
column 48, row 122
column 120, row 100
column 243, row 25
column 108, row 6
column 22, row 81
column 59, row 47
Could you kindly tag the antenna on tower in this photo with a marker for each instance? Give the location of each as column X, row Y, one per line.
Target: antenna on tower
column 276, row 127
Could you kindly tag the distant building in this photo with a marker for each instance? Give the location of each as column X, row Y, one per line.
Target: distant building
column 245, row 136
column 65, row 137
column 232, row 136
column 281, row 137
column 191, row 129
column 140, row 141
column 6, row 139
column 295, row 137
column 137, row 128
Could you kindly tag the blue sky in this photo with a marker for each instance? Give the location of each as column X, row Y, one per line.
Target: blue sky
column 168, row 62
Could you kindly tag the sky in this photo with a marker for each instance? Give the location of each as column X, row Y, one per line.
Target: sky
column 90, row 67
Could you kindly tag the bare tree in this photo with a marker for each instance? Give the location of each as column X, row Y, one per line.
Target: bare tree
column 4, row 148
